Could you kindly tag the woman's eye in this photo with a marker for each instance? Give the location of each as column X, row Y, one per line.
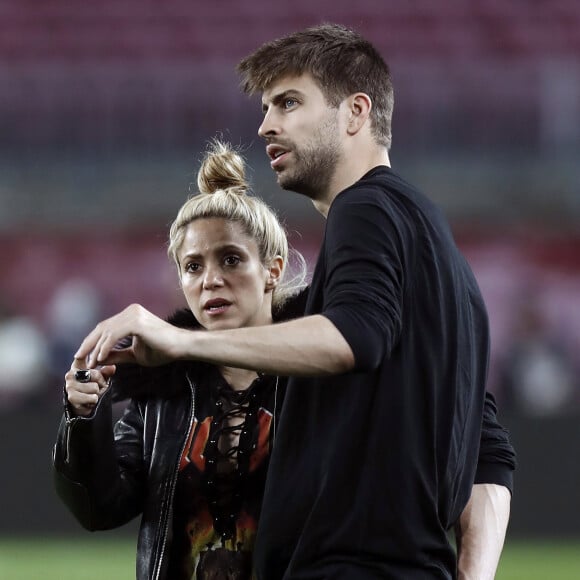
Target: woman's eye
column 192, row 267
column 232, row 260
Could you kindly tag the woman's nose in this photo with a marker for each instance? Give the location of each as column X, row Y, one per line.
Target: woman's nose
column 212, row 278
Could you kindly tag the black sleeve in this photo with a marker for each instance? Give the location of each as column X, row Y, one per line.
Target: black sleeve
column 497, row 457
column 364, row 283
column 99, row 473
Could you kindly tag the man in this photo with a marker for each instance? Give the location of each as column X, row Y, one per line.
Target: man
column 377, row 449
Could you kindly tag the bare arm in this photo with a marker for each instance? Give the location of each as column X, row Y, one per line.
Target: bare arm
column 310, row 346
column 307, row 346
column 481, row 531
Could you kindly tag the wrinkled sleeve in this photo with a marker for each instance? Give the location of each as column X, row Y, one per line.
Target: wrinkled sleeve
column 497, row 457
column 364, row 275
column 98, row 473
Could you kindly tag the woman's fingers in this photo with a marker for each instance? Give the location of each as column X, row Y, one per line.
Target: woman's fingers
column 85, row 386
column 82, row 397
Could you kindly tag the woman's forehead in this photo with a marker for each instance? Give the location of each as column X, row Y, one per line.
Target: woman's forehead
column 211, row 234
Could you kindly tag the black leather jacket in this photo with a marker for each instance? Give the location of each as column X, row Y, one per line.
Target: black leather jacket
column 106, row 479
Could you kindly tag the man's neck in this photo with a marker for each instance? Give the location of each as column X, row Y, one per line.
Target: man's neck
column 347, row 174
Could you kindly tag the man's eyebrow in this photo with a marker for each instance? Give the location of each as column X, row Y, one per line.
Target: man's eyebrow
column 280, row 97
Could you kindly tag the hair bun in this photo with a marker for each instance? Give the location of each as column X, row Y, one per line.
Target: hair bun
column 222, row 169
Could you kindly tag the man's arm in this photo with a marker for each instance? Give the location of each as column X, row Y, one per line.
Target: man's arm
column 481, row 528
column 308, row 346
column 481, row 531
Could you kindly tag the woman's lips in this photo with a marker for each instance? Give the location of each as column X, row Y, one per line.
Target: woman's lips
column 217, row 306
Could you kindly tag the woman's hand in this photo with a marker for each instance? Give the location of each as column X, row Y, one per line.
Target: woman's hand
column 83, row 395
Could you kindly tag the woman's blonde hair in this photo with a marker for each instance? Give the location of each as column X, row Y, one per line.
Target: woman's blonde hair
column 224, row 193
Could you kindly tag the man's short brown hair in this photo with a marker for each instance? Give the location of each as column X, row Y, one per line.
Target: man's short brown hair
column 340, row 60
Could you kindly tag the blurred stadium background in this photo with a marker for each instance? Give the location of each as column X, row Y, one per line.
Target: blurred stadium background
column 105, row 109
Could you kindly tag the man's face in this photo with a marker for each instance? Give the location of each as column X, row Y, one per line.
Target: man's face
column 302, row 135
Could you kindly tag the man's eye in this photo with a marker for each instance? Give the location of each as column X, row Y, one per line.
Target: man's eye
column 289, row 103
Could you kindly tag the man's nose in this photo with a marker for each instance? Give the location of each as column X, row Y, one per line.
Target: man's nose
column 268, row 126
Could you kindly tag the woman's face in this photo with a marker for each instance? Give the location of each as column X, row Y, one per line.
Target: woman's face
column 223, row 280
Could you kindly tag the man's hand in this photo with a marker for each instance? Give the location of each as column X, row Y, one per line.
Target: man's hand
column 310, row 346
column 153, row 341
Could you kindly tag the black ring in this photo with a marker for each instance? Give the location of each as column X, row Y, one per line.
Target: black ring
column 83, row 376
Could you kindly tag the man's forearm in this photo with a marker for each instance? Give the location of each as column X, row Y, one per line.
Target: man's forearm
column 481, row 531
column 308, row 346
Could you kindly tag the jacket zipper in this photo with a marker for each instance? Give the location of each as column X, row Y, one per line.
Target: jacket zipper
column 174, row 480
column 67, row 446
column 69, row 423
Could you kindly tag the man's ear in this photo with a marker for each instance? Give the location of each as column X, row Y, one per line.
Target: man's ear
column 274, row 273
column 359, row 108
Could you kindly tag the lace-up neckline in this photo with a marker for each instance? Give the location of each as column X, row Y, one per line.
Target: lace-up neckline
column 231, row 441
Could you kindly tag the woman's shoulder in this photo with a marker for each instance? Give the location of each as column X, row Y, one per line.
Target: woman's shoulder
column 293, row 307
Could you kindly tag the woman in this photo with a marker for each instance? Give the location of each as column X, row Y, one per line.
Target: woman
column 191, row 451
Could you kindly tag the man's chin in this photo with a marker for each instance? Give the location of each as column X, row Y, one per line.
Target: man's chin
column 287, row 182
column 281, row 173
column 297, row 186
column 283, row 180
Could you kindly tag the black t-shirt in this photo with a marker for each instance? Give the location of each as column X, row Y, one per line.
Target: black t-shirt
column 371, row 468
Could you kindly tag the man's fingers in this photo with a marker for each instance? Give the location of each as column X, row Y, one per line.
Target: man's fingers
column 103, row 345
column 92, row 346
column 102, row 339
column 86, row 347
column 125, row 355
column 79, row 363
